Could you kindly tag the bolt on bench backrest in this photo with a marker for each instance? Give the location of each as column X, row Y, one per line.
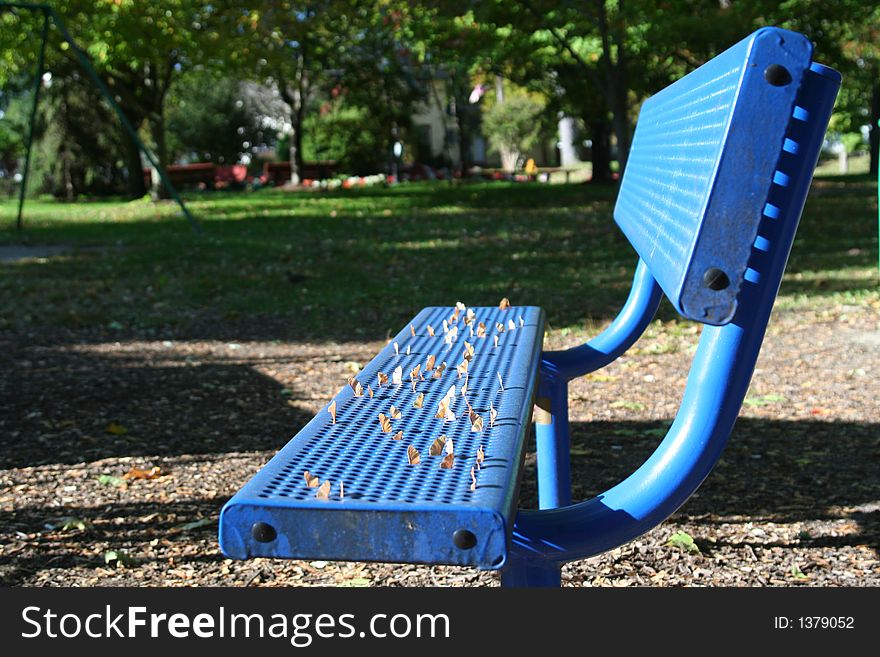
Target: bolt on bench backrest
column 703, row 161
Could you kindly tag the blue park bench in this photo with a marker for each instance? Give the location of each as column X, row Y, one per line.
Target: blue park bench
column 718, row 173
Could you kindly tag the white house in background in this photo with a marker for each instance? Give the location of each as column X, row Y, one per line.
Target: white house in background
column 435, row 127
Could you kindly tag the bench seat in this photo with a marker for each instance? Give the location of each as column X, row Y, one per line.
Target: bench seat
column 390, row 510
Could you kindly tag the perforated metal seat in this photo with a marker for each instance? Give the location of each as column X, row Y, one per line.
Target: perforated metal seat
column 391, row 510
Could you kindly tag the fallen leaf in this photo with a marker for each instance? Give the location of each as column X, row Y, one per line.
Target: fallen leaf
column 473, row 480
column 412, row 456
column 448, row 461
column 384, row 423
column 398, row 435
column 394, row 412
column 369, row 390
column 397, row 376
column 499, row 327
column 492, row 415
column 481, row 456
column 342, row 489
column 311, row 480
column 396, row 349
column 505, row 304
column 438, row 371
column 481, row 330
column 477, row 424
column 115, row 558
column 412, row 329
column 500, row 382
column 462, row 368
column 420, row 400
column 510, row 325
column 116, row 429
column 110, row 480
column 683, row 541
column 196, row 524
column 495, row 339
column 138, row 473
column 468, row 351
column 436, row 448
column 356, row 387
column 430, row 330
column 442, row 408
column 383, row 379
column 323, row 492
column 429, row 364
column 332, row 410
column 450, row 447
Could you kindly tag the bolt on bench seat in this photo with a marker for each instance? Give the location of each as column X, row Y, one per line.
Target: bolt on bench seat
column 390, row 510
column 710, row 200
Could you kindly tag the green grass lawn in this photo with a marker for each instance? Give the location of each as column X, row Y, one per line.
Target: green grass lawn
column 359, row 263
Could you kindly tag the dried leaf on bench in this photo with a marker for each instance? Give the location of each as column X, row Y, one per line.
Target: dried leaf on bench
column 323, row 492
column 332, row 410
column 481, row 330
column 429, row 364
column 438, row 372
column 396, row 349
column 369, row 391
column 505, row 304
column 436, row 448
column 499, row 327
column 448, row 461
column 473, row 480
column 495, row 338
column 500, row 382
column 408, row 350
column 398, row 435
column 397, row 376
column 137, row 473
column 450, row 446
column 476, row 423
column 521, row 322
column 341, row 490
column 492, row 415
column 394, row 413
column 412, row 329
column 385, row 423
column 430, row 330
column 450, row 394
column 462, row 368
column 442, row 408
column 412, row 456
column 481, row 456
column 356, row 386
column 383, row 379
column 468, row 351
column 311, row 480
column 445, row 326
column 420, row 400
column 455, row 313
column 510, row 325
column 451, row 336
column 416, row 372
column 469, row 316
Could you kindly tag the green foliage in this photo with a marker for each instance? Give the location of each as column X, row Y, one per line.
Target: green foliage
column 208, row 120
column 513, row 126
column 683, row 541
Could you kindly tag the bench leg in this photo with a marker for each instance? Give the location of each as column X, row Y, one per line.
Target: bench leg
column 523, row 572
column 551, row 436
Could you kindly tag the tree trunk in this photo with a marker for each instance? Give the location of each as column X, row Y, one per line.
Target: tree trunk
column 157, row 130
column 874, row 134
column 600, row 133
column 296, row 136
column 135, row 185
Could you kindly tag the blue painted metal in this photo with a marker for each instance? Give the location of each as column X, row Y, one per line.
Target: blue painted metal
column 719, row 375
column 702, row 161
column 393, row 511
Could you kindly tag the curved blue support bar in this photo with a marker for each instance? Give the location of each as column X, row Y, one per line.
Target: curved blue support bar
column 621, row 334
column 717, row 384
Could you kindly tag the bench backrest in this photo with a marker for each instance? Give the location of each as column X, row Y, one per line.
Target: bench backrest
column 703, row 161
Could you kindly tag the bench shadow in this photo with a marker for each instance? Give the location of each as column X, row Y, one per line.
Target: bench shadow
column 65, row 405
column 777, row 471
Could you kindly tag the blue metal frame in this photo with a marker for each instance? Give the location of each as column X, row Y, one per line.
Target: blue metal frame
column 720, row 374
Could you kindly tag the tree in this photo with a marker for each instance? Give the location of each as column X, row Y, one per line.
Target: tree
column 512, row 127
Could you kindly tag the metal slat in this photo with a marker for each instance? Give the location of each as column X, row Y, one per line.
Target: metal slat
column 393, row 511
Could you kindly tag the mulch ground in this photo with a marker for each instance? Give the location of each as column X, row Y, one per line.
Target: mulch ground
column 794, row 501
